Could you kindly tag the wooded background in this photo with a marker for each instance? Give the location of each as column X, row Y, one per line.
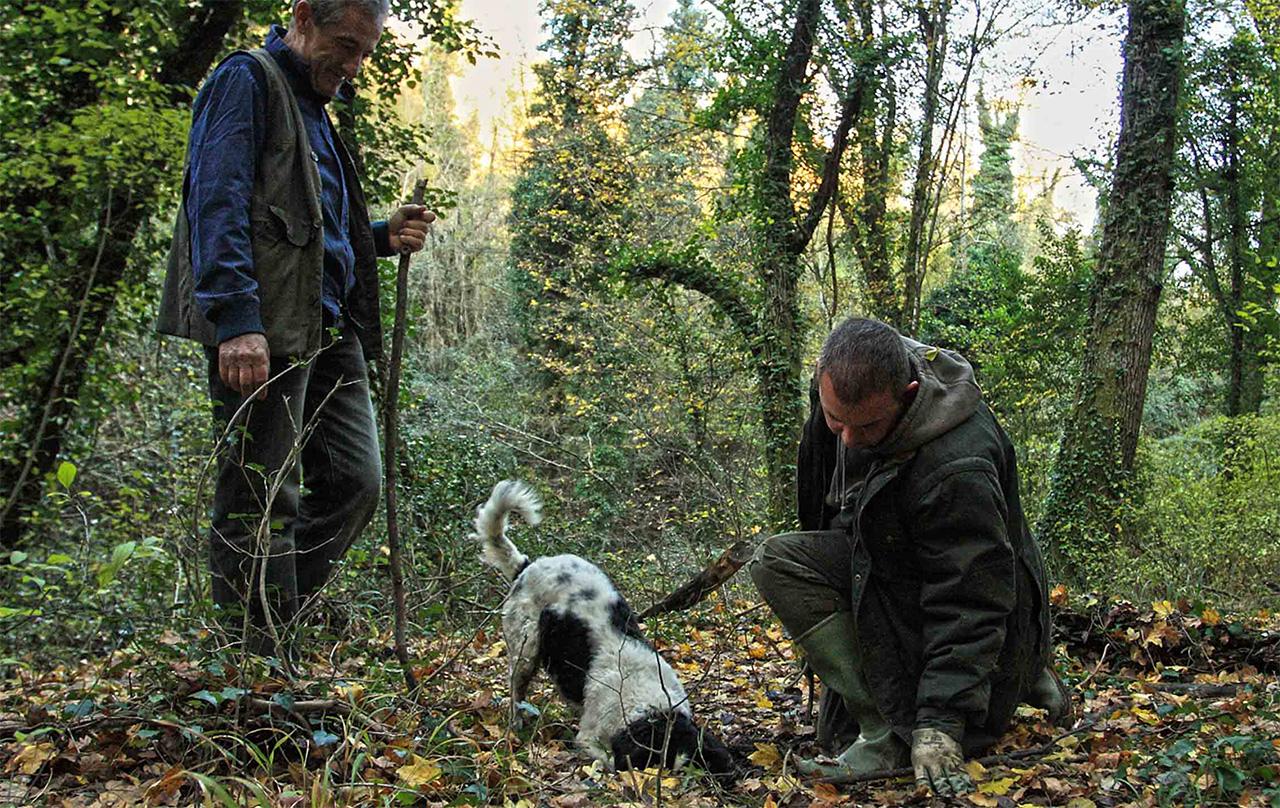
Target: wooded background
column 629, row 283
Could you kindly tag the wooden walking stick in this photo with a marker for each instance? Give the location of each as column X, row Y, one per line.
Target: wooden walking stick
column 391, row 439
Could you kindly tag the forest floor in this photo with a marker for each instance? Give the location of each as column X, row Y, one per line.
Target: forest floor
column 1178, row 705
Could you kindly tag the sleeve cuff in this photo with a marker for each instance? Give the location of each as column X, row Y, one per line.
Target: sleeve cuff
column 245, row 319
column 382, row 239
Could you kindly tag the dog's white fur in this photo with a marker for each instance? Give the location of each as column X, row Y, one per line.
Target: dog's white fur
column 626, row 678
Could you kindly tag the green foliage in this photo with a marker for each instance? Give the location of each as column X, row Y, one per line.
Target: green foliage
column 1022, row 331
column 1210, row 521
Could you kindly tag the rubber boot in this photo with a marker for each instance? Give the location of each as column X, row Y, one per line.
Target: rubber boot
column 829, row 649
column 1050, row 693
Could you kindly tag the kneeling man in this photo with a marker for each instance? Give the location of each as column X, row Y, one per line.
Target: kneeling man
column 917, row 592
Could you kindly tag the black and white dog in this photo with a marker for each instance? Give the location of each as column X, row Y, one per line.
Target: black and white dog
column 565, row 615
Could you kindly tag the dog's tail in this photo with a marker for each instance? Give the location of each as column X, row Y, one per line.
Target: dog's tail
column 496, row 549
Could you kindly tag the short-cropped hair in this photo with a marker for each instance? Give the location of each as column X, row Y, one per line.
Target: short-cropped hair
column 328, row 12
column 864, row 357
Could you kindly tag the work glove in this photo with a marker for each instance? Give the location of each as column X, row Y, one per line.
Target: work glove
column 938, row 762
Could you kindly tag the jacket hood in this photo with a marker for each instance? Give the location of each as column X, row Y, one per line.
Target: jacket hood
column 947, row 397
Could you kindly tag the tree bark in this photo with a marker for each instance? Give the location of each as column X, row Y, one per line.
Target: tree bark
column 1086, row 512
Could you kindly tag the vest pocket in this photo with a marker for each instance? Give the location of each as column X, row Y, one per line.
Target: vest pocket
column 296, row 230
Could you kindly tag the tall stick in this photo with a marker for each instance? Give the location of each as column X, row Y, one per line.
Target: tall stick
column 391, row 434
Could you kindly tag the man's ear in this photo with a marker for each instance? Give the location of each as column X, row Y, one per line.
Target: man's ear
column 303, row 13
column 909, row 395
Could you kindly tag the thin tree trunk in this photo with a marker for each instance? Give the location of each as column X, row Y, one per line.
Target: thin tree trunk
column 1086, row 512
column 933, row 27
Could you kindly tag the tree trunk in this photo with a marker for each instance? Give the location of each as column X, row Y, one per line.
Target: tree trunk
column 1086, row 512
column 867, row 218
column 56, row 388
column 933, row 27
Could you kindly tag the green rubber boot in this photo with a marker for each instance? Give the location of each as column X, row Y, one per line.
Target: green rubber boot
column 829, row 648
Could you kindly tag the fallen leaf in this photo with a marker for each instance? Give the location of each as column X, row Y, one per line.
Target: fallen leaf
column 419, row 772
column 998, row 788
column 31, row 757
column 827, row 794
column 766, row 756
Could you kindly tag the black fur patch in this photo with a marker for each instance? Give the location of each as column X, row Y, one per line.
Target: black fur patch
column 564, row 578
column 583, row 595
column 564, row 651
column 642, row 743
column 624, row 620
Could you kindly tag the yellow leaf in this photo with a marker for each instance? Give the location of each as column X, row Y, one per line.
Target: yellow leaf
column 30, row 758
column 418, row 772
column 1081, row 802
column 351, row 692
column 1210, row 617
column 998, row 788
column 770, row 802
column 977, row 772
column 762, row 701
column 766, row 756
column 983, row 800
column 783, row 784
column 756, row 651
column 1146, row 716
column 1162, row 608
column 1058, row 595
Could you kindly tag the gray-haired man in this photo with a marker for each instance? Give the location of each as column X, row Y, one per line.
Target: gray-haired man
column 917, row 593
column 273, row 268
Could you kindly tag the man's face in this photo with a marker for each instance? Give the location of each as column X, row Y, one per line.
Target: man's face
column 868, row 422
column 334, row 52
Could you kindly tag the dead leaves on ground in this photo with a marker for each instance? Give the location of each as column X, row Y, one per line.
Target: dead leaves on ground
column 1180, row 705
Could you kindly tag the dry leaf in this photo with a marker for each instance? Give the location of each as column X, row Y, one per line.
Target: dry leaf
column 31, row 757
column 419, row 772
column 766, row 756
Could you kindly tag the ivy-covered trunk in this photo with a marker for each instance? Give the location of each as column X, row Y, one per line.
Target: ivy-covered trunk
column 1086, row 513
column 778, row 368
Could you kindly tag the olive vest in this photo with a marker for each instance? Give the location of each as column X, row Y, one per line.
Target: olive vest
column 288, row 245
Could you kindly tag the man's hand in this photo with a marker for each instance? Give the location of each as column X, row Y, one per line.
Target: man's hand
column 407, row 228
column 243, row 363
column 938, row 762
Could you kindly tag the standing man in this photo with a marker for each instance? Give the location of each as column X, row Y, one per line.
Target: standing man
column 918, row 594
column 273, row 268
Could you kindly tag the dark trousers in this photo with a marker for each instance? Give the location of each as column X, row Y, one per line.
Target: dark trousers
column 298, row 477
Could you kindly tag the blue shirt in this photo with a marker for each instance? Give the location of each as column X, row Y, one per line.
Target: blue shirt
column 227, row 133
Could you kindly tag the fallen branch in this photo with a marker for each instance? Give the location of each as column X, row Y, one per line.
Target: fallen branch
column 705, row 582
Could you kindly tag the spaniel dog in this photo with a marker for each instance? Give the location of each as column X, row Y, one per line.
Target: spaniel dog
column 563, row 614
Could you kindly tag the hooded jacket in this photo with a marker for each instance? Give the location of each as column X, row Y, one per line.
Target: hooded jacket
column 948, row 586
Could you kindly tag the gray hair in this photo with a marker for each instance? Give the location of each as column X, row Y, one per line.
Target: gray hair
column 330, row 11
column 864, row 357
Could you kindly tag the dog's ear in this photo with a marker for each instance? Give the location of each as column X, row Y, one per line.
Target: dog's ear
column 639, row 745
column 715, row 757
